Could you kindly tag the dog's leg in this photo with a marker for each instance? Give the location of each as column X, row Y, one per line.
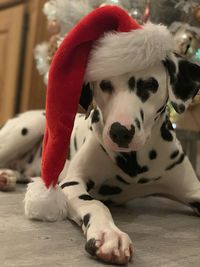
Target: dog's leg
column 181, row 182
column 9, row 178
column 19, row 135
column 104, row 239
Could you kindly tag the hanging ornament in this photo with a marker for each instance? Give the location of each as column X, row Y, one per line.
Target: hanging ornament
column 187, row 41
column 136, row 13
column 53, row 27
column 140, row 11
column 146, row 14
column 197, row 13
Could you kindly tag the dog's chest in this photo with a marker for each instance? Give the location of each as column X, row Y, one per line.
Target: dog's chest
column 147, row 165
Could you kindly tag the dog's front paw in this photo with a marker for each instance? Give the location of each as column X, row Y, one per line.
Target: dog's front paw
column 110, row 245
column 7, row 180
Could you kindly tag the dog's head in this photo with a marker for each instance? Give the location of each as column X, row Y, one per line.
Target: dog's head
column 131, row 104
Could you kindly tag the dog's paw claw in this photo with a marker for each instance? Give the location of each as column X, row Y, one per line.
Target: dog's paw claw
column 90, row 247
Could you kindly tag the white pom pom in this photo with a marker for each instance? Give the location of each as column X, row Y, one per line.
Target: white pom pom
column 45, row 204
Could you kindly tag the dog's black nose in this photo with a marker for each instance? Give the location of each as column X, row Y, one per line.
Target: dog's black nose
column 121, row 135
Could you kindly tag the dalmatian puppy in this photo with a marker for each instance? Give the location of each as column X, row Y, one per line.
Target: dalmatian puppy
column 125, row 149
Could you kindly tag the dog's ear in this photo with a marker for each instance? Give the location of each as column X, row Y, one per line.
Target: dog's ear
column 86, row 99
column 184, row 81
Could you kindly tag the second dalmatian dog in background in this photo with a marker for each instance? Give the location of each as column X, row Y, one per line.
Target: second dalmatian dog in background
column 125, row 149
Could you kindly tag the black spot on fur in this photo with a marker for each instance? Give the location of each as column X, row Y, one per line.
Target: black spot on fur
column 90, row 184
column 171, row 67
column 69, row 184
column 169, row 124
column 174, row 154
column 137, row 122
column 106, row 86
column 162, row 109
column 179, row 108
column 142, row 114
column 141, row 92
column 86, row 96
column 43, row 113
column 103, row 149
column 24, row 131
column 185, row 81
column 108, row 202
column 95, row 116
column 179, row 161
column 85, row 197
column 69, row 153
column 144, row 181
column 165, row 132
column 148, row 180
column 84, row 140
column 119, row 178
column 90, row 247
column 196, row 206
column 75, row 143
column 131, row 83
column 30, row 159
column 153, row 154
column 146, row 87
column 158, row 178
column 86, row 219
column 106, row 190
column 129, row 164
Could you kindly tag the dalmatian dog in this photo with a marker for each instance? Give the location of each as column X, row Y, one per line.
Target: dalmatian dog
column 126, row 148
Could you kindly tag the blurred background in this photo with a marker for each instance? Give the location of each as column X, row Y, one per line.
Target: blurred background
column 32, row 30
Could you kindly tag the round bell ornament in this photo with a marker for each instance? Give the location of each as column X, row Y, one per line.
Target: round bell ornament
column 187, row 42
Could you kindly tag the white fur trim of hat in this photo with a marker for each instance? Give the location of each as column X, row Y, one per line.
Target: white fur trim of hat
column 119, row 52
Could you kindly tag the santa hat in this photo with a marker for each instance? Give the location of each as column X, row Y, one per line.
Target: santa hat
column 105, row 43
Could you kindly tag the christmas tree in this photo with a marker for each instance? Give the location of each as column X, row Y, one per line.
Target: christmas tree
column 181, row 16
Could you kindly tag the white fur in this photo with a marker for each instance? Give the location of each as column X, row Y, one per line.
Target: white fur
column 118, row 53
column 45, row 204
column 13, row 144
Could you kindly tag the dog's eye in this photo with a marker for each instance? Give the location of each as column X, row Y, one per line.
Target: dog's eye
column 106, row 86
column 151, row 84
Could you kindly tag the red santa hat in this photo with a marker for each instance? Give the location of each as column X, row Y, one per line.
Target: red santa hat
column 105, row 43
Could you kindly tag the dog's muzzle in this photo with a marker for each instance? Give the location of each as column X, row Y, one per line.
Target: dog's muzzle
column 120, row 135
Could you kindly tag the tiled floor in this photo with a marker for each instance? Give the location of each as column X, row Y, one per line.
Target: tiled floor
column 165, row 234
